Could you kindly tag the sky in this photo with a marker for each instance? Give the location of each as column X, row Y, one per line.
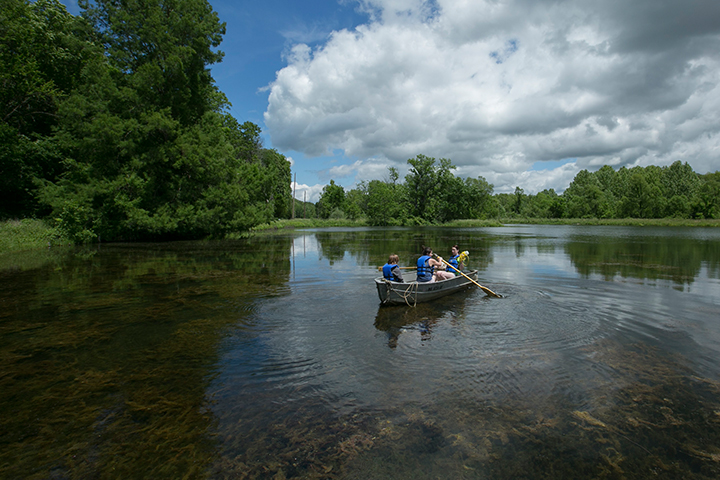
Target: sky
column 521, row 92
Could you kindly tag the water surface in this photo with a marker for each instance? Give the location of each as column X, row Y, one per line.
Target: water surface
column 272, row 358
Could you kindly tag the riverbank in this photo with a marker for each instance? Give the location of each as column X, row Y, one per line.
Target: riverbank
column 627, row 222
column 473, row 223
column 28, row 234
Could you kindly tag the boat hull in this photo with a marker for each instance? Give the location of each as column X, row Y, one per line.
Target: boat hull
column 393, row 293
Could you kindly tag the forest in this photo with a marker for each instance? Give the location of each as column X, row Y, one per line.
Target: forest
column 432, row 194
column 112, row 129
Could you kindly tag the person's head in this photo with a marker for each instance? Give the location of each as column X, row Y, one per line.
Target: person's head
column 455, row 250
column 427, row 250
column 393, row 259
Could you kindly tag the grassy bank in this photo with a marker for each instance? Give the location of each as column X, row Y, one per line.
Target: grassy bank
column 28, row 234
column 309, row 223
column 283, row 225
column 630, row 222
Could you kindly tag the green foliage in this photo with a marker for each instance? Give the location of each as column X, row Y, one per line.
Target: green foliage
column 28, row 234
column 111, row 123
column 332, row 198
column 421, row 184
column 42, row 50
column 431, row 194
column 706, row 201
column 386, row 203
column 640, row 192
column 304, row 209
column 148, row 152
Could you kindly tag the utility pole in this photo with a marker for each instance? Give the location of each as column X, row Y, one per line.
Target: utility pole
column 304, row 203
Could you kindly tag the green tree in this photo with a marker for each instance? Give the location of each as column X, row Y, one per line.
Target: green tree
column 586, row 198
column 421, row 184
column 643, row 197
column 42, row 50
column 148, row 151
column 386, row 202
column 706, row 201
column 450, row 198
column 679, row 185
column 356, row 202
column 332, row 198
column 277, row 180
column 518, row 201
column 478, row 195
column 541, row 205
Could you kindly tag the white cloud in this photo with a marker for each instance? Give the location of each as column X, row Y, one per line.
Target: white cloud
column 498, row 86
column 307, row 193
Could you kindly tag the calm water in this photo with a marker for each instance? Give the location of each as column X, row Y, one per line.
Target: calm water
column 272, row 358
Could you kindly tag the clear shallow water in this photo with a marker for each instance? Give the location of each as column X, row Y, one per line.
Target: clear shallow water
column 273, row 358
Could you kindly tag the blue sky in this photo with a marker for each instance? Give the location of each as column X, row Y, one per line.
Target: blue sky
column 524, row 93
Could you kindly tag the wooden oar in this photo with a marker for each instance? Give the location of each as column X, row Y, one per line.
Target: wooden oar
column 484, row 289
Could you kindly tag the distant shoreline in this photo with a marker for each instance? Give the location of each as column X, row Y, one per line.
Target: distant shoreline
column 21, row 235
column 501, row 222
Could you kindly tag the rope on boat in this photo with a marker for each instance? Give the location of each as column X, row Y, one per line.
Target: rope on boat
column 405, row 295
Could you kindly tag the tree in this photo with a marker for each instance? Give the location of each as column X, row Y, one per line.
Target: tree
column 332, row 198
column 277, row 180
column 477, row 193
column 542, row 205
column 706, row 201
column 421, row 185
column 586, row 198
column 679, row 185
column 518, row 201
column 643, row 197
column 355, row 203
column 148, row 151
column 42, row 50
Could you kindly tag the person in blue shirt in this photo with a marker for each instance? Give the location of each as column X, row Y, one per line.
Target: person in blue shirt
column 456, row 266
column 391, row 270
column 429, row 269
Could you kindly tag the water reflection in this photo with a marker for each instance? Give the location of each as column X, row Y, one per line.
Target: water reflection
column 673, row 258
column 273, row 358
column 107, row 353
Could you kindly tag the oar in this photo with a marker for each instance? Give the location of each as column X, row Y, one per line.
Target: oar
column 402, row 268
column 484, row 289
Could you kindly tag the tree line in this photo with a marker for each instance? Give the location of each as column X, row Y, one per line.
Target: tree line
column 112, row 126
column 431, row 193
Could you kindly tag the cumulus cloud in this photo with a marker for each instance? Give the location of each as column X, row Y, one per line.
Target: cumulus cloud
column 501, row 86
column 307, row 193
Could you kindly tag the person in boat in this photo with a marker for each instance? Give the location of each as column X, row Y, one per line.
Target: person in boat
column 429, row 269
column 391, row 270
column 455, row 263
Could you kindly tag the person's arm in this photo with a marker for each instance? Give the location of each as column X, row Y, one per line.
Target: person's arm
column 398, row 275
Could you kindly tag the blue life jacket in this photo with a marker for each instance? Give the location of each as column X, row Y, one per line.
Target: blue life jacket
column 424, row 270
column 387, row 271
column 454, row 262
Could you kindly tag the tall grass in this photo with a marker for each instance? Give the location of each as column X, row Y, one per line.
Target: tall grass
column 28, row 234
column 297, row 223
column 632, row 222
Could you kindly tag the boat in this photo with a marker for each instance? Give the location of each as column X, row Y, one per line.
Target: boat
column 412, row 293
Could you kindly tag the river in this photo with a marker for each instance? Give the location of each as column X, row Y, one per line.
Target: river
column 272, row 358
